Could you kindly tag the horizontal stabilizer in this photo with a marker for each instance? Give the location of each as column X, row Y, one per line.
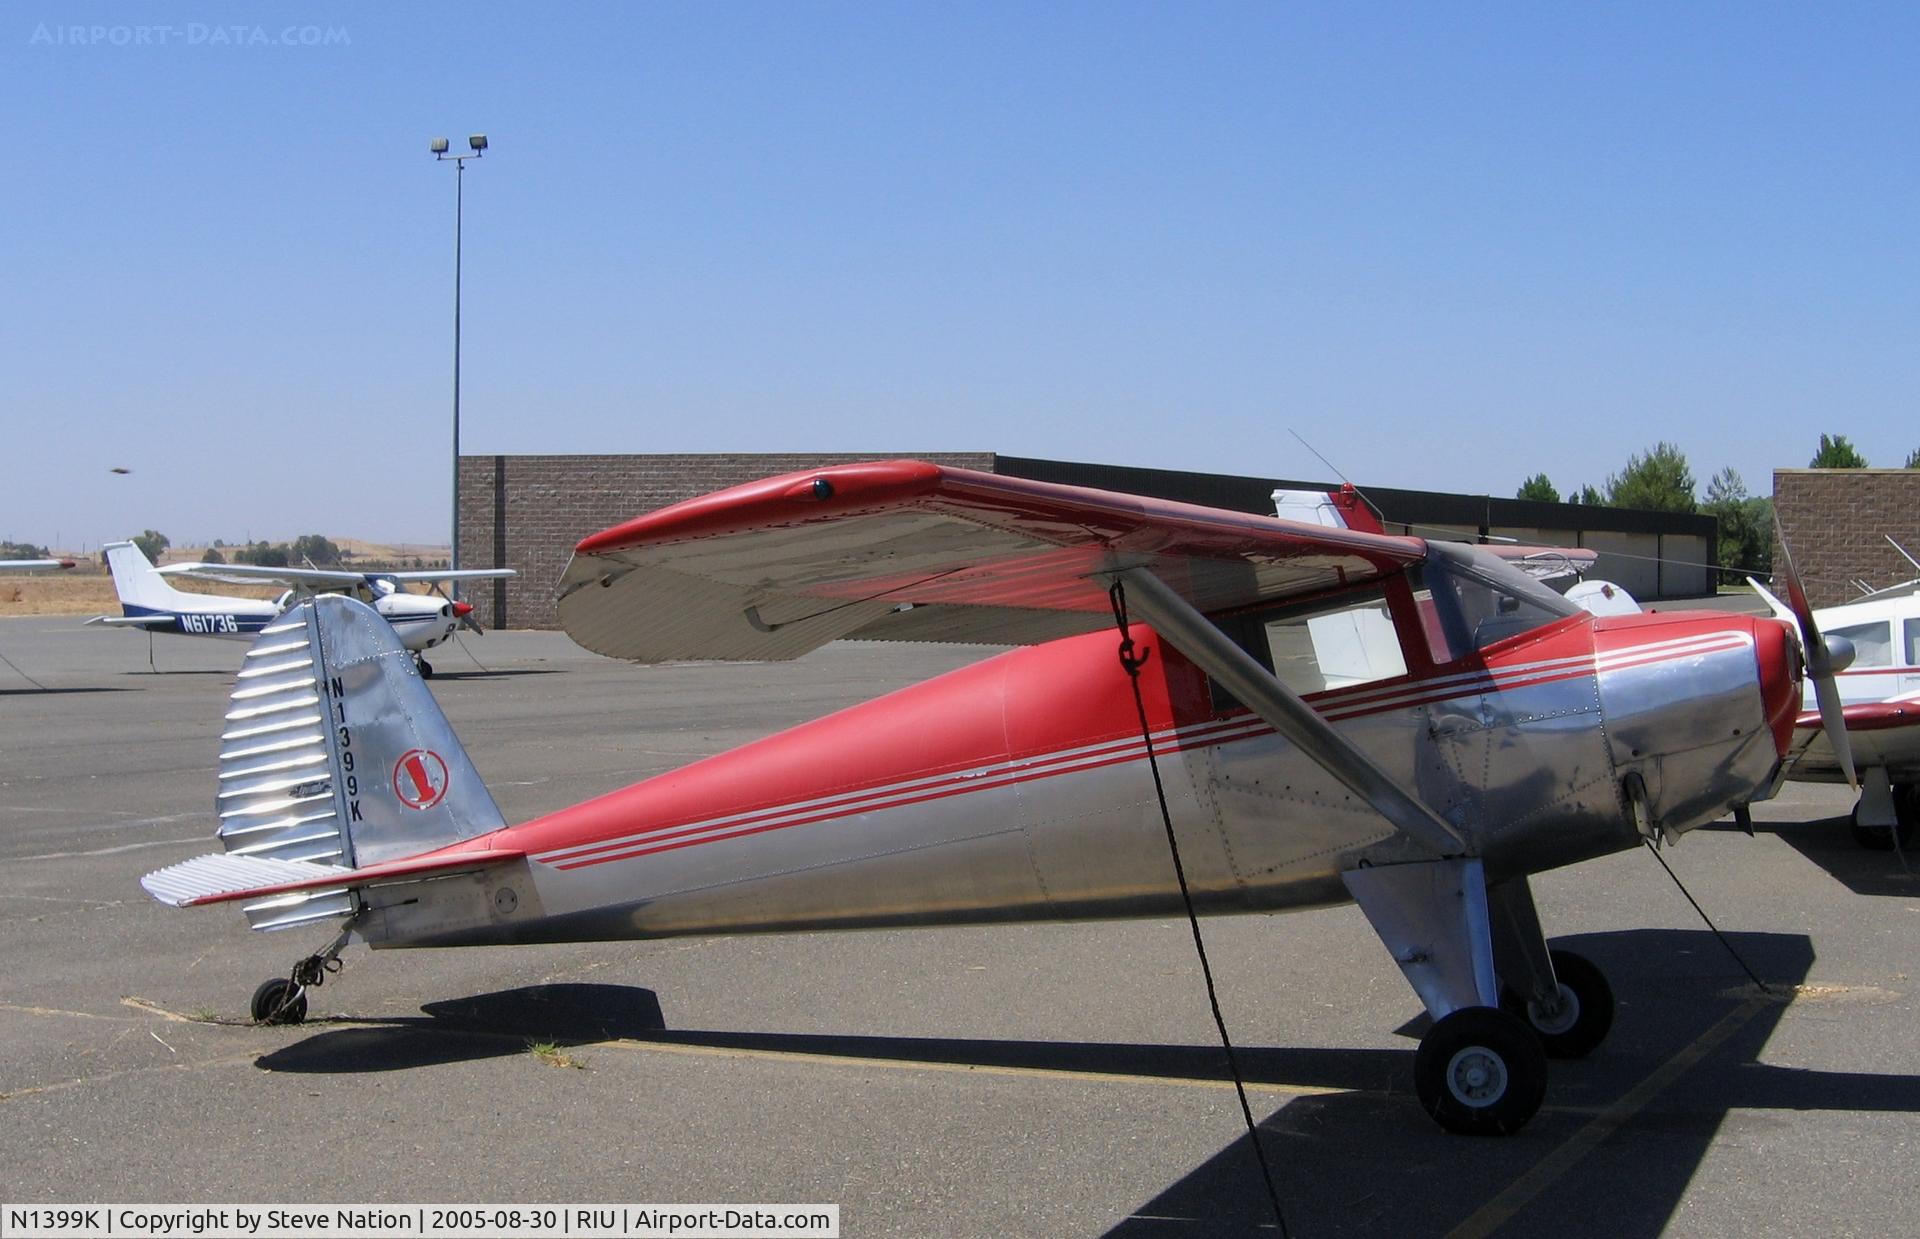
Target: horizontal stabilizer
column 223, row 878
column 133, row 621
column 218, row 876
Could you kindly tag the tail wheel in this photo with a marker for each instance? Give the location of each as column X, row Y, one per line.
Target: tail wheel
column 426, row 669
column 1585, row 1013
column 276, row 1002
column 1481, row 1072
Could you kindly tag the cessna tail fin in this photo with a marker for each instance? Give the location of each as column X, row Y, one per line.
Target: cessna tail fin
column 335, row 760
column 138, row 584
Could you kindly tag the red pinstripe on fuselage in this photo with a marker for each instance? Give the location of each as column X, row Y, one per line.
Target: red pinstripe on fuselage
column 1002, row 722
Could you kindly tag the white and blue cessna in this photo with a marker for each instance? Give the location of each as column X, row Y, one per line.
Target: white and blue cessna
column 148, row 600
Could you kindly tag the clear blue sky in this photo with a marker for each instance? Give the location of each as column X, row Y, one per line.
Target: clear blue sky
column 1450, row 245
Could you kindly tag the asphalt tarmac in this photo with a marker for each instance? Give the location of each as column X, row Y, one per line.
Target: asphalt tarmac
column 1045, row 1080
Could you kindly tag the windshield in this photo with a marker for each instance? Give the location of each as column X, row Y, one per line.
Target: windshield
column 1480, row 599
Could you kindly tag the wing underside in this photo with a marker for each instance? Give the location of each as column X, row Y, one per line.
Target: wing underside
column 908, row 551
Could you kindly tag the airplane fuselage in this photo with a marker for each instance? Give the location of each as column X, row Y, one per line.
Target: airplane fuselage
column 422, row 622
column 1880, row 690
column 1017, row 789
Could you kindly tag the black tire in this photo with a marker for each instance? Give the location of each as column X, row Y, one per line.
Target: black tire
column 270, row 1005
column 1880, row 838
column 1583, row 1022
column 1481, row 1072
column 426, row 669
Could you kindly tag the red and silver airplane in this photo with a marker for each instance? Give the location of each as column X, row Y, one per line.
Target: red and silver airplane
column 1337, row 716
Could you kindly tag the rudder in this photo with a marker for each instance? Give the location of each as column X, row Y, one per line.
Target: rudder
column 336, row 752
column 137, row 584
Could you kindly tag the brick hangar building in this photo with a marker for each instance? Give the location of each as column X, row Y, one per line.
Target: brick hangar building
column 527, row 512
column 1838, row 521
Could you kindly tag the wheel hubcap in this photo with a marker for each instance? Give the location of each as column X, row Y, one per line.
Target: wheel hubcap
column 1559, row 1019
column 1477, row 1076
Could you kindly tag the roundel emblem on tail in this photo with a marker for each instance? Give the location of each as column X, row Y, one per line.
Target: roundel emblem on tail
column 420, row 778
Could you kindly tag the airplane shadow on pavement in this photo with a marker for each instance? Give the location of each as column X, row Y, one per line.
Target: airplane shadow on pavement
column 1611, row 1153
column 1366, row 1161
column 483, row 1026
column 55, row 692
column 1829, row 844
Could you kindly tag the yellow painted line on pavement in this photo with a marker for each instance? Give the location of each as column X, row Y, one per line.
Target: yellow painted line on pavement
column 1518, row 1194
column 995, row 1069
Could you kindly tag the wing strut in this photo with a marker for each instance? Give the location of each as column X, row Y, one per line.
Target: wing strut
column 1196, row 637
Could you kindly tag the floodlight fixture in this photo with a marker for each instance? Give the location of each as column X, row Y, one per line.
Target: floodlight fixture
column 478, row 141
column 439, row 146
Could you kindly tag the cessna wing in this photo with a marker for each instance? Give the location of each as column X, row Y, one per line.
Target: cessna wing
column 34, row 565
column 324, row 578
column 910, row 551
column 257, row 574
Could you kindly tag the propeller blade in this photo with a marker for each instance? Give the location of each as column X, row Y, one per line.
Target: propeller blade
column 1820, row 663
column 462, row 611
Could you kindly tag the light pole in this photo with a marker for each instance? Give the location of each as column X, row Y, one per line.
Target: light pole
column 477, row 144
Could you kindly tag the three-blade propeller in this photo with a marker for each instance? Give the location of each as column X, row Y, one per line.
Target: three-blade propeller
column 1823, row 657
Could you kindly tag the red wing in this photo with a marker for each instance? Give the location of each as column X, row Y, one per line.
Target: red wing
column 908, row 551
column 1868, row 716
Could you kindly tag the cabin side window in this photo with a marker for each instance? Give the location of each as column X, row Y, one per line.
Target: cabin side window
column 1312, row 648
column 1912, row 627
column 1872, row 643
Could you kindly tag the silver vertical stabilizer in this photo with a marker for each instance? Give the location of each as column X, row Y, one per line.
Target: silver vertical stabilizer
column 402, row 783
column 336, row 756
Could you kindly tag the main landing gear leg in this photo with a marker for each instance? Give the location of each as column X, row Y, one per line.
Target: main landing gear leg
column 1565, row 999
column 1885, row 814
column 1480, row 1071
column 283, row 1000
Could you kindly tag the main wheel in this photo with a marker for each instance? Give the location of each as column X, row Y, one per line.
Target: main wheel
column 1906, row 812
column 1480, row 1072
column 270, row 1005
column 1585, row 1012
column 426, row 669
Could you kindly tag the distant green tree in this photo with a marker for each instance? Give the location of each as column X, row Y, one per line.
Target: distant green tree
column 1746, row 526
column 1913, row 459
column 1655, row 481
column 266, row 555
column 22, row 550
column 1540, row 488
column 316, row 550
column 214, row 556
column 1836, row 453
column 1589, row 495
column 152, row 543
